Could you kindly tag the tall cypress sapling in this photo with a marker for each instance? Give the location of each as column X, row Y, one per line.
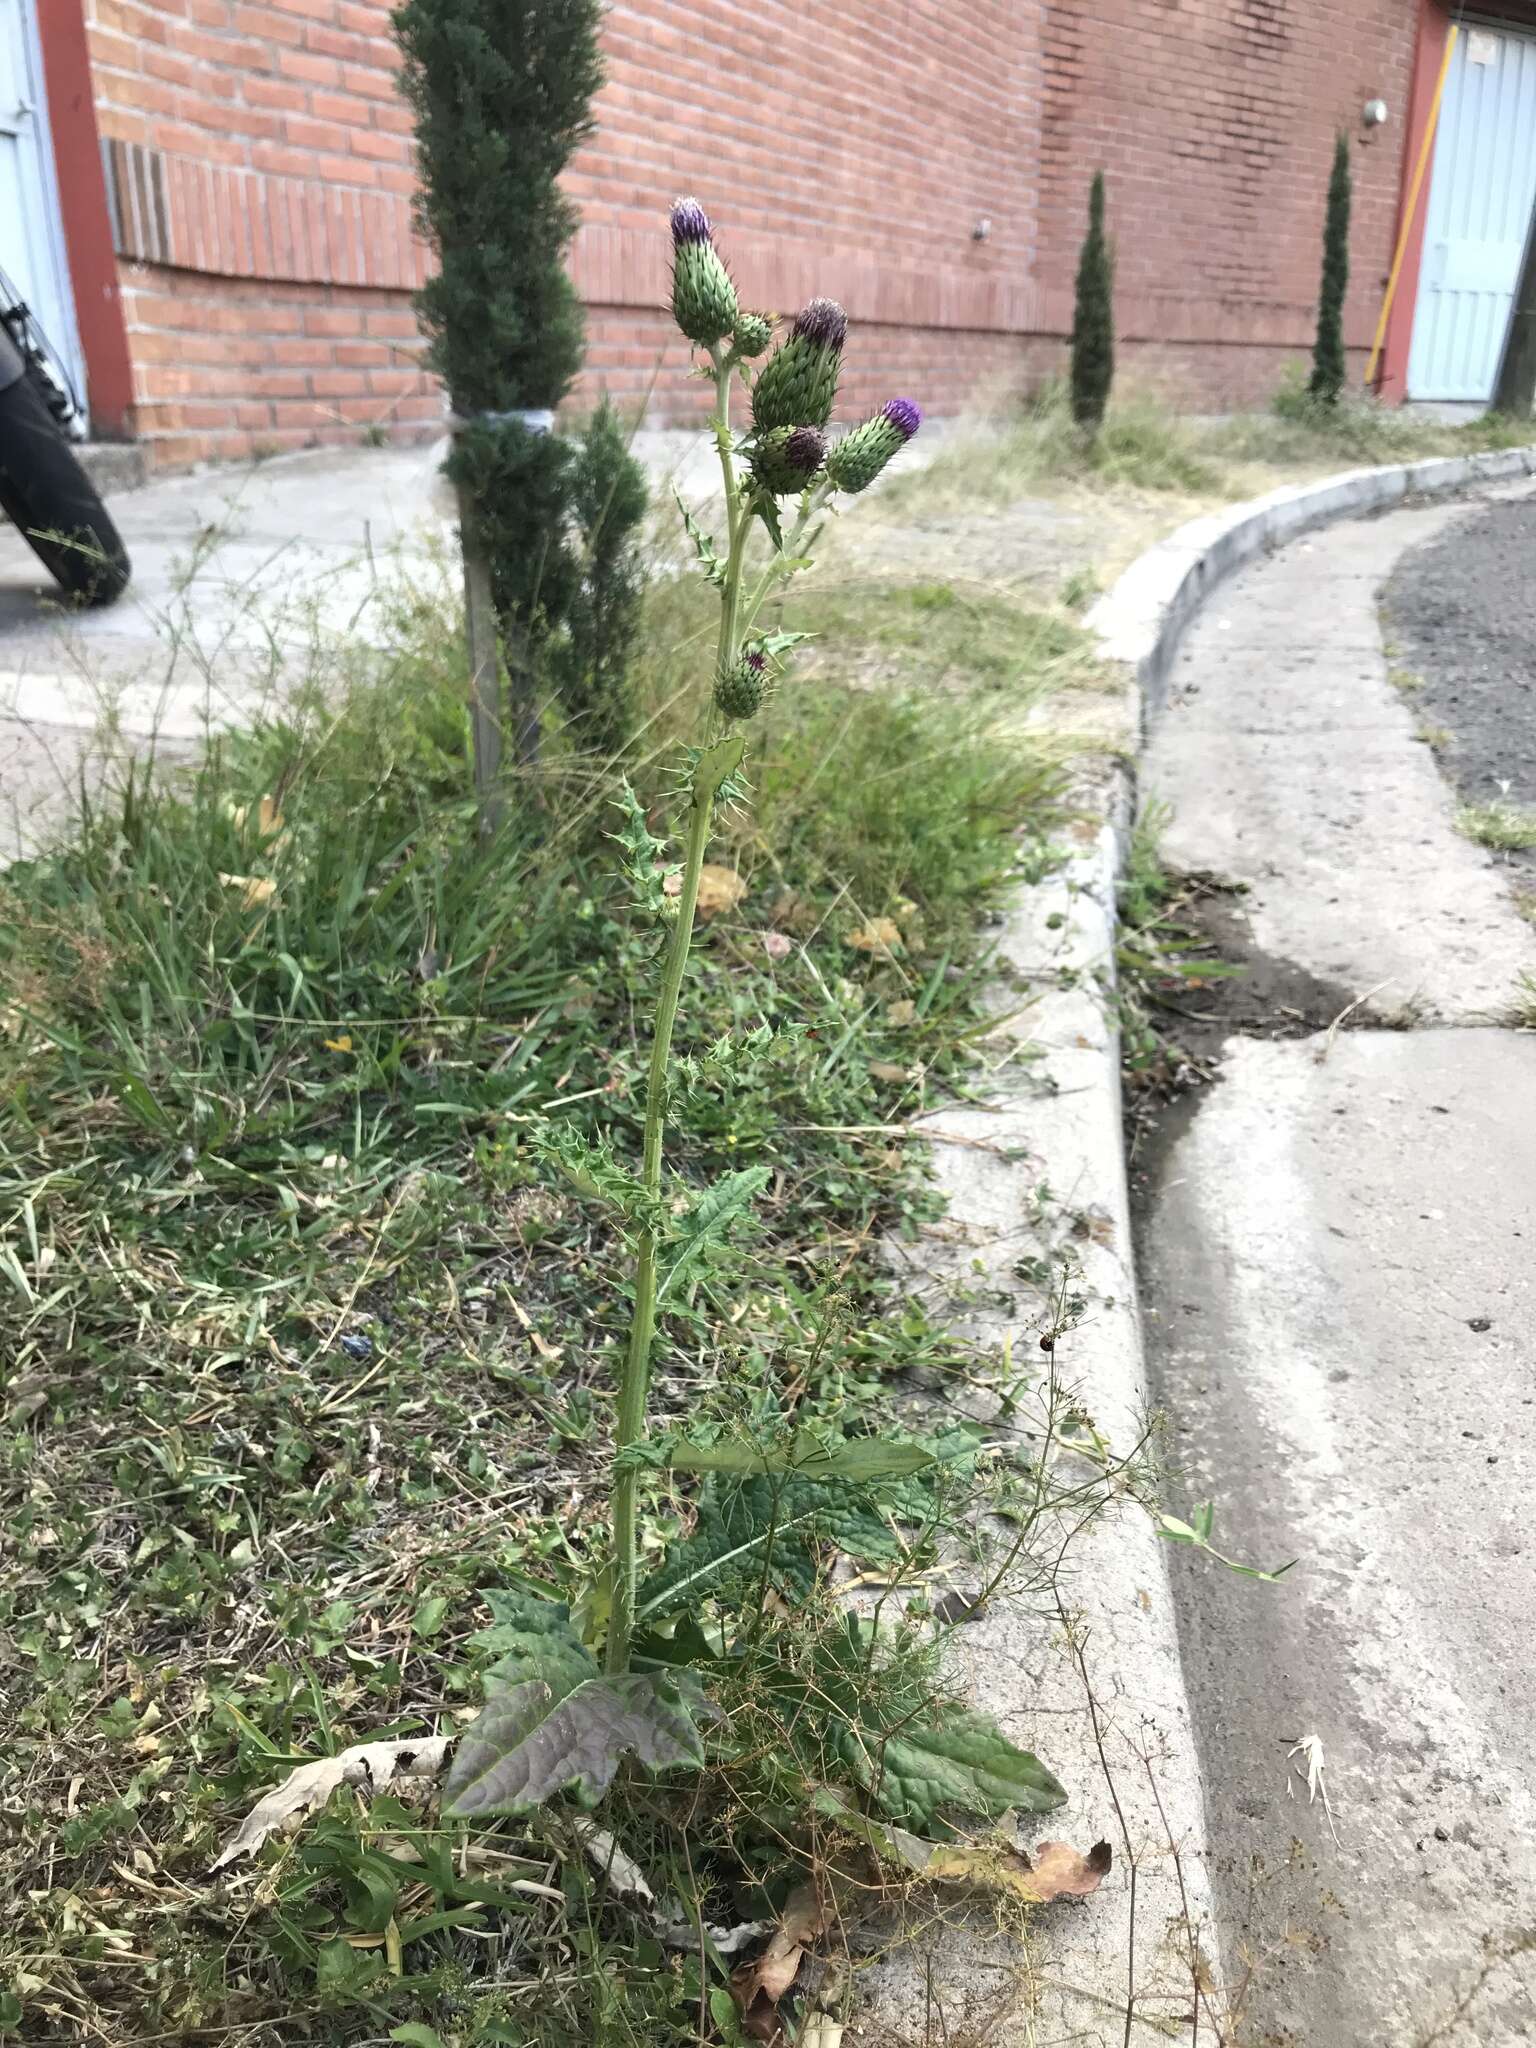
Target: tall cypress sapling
column 501, row 91
column 608, row 503
column 1328, row 367
column 1093, row 319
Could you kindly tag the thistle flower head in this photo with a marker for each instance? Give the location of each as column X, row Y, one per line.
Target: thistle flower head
column 786, row 458
column 860, row 456
column 903, row 415
column 690, row 223
column 822, row 322
column 751, row 335
column 739, row 691
column 797, row 386
column 704, row 301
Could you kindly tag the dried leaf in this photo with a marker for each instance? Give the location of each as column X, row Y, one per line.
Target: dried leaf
column 1056, row 1871
column 822, row 2031
column 778, row 945
column 901, row 1014
column 374, row 1764
column 24, row 1397
column 258, row 889
column 884, row 1070
column 793, row 913
column 758, row 1986
column 269, row 818
column 624, row 1875
column 880, row 935
column 719, row 889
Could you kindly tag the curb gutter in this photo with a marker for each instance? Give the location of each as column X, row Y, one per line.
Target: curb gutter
column 1038, row 1175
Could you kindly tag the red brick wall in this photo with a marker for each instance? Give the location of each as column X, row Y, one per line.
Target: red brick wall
column 261, row 171
column 1214, row 121
column 259, row 167
column 878, row 132
column 842, row 146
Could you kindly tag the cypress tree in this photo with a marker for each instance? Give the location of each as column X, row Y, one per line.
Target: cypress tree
column 1328, row 369
column 1093, row 319
column 501, row 91
column 608, row 501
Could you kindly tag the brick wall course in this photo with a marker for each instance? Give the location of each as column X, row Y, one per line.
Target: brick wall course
column 847, row 146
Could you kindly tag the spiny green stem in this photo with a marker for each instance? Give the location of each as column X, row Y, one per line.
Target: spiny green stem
column 778, row 568
column 713, row 768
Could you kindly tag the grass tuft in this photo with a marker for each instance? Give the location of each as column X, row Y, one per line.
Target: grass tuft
column 1501, row 826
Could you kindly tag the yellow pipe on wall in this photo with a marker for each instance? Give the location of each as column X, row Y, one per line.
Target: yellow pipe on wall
column 1413, row 205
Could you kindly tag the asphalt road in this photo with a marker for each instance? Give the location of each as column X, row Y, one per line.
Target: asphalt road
column 1461, row 611
column 1337, row 1244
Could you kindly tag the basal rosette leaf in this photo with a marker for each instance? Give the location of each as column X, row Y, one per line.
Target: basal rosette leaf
column 552, row 1721
column 961, row 1761
column 527, row 1744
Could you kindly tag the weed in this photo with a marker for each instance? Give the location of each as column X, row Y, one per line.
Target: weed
column 1407, row 681
column 303, row 1350
column 1141, row 446
column 1501, row 826
column 1160, row 955
column 1438, row 738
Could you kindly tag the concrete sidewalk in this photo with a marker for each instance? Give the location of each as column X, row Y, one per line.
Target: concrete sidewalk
column 242, row 577
column 246, row 579
column 1341, row 1322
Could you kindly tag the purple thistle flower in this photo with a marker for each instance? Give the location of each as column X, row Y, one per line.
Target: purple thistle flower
column 823, row 323
column 756, row 660
column 805, row 449
column 903, row 415
column 786, row 458
column 690, row 223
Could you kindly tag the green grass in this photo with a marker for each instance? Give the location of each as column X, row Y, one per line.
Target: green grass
column 1145, row 447
column 1141, row 446
column 303, row 1347
column 1501, row 826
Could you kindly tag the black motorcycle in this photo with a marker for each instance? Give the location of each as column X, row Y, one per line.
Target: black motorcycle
column 43, row 488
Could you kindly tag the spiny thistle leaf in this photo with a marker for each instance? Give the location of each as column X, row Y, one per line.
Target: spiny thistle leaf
column 526, row 1745
column 703, row 545
column 594, row 1169
column 536, row 1632
column 550, row 1721
column 706, row 1221
column 808, row 1454
column 782, row 1523
column 645, row 863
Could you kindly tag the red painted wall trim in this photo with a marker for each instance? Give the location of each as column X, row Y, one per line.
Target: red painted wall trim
column 87, row 224
column 1434, row 26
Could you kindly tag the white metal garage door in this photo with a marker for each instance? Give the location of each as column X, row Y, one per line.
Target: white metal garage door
column 31, row 237
column 1480, row 196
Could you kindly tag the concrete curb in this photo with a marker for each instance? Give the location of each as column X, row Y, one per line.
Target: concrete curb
column 1141, row 620
column 1114, row 1723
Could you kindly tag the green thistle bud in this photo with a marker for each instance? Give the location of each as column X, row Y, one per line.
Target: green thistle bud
column 797, row 386
column 860, row 456
column 703, row 296
column 739, row 691
column 785, row 460
column 751, row 335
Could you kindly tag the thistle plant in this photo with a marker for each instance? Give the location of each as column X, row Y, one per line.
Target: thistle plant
column 554, row 1718
column 783, row 454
